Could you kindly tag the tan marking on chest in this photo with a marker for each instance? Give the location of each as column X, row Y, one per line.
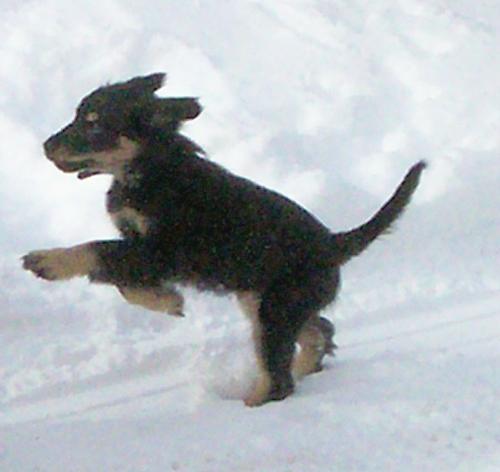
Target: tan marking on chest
column 128, row 219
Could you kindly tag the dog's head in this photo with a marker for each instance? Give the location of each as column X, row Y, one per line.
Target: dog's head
column 112, row 122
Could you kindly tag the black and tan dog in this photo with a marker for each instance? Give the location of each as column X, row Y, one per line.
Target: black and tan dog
column 186, row 220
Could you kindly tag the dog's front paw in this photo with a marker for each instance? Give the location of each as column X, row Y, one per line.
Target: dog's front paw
column 160, row 299
column 60, row 263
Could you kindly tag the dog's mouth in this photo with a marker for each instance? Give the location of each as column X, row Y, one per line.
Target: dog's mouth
column 84, row 168
column 110, row 161
column 86, row 173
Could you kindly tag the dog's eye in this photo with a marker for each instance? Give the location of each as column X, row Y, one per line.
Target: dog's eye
column 92, row 117
column 92, row 126
column 94, row 129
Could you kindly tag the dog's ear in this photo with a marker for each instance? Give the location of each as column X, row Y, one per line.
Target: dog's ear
column 146, row 84
column 168, row 111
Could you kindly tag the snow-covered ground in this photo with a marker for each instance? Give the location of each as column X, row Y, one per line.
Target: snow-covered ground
column 329, row 102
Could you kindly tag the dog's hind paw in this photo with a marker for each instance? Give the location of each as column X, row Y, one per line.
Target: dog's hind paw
column 328, row 330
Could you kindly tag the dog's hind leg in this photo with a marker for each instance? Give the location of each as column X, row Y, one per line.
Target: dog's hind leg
column 315, row 341
column 250, row 304
column 283, row 311
column 274, row 348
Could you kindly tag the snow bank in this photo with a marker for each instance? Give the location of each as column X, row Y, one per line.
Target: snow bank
column 328, row 102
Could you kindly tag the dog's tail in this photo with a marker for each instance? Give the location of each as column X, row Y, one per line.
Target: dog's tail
column 351, row 243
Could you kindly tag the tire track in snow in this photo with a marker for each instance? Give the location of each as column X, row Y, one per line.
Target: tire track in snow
column 469, row 323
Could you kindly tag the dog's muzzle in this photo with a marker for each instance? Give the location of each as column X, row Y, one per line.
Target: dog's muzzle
column 66, row 162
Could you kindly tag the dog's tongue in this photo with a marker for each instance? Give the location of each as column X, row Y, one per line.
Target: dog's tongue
column 87, row 173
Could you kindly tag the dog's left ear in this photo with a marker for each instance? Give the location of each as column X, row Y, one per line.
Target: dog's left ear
column 168, row 111
column 146, row 84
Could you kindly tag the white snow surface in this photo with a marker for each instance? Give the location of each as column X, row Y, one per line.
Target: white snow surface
column 328, row 102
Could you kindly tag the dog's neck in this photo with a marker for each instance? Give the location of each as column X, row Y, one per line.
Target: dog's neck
column 155, row 152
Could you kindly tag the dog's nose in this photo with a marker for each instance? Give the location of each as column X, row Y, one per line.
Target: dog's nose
column 49, row 148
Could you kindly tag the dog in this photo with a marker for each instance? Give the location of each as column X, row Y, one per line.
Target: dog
column 185, row 220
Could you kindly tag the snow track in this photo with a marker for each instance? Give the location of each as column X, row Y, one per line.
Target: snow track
column 412, row 386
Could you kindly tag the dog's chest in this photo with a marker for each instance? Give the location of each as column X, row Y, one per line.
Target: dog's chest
column 125, row 213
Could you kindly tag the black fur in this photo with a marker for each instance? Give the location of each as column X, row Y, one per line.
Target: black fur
column 208, row 227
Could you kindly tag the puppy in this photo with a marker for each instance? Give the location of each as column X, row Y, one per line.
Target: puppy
column 186, row 220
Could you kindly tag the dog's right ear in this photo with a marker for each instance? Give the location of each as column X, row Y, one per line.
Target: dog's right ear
column 146, row 84
column 168, row 111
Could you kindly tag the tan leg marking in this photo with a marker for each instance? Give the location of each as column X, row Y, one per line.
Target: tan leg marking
column 250, row 303
column 312, row 349
column 161, row 299
column 260, row 393
column 61, row 263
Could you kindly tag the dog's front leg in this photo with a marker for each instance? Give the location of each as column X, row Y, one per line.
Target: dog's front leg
column 131, row 266
column 117, row 262
column 62, row 263
column 161, row 299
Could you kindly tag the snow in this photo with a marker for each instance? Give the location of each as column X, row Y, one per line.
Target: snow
column 329, row 102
